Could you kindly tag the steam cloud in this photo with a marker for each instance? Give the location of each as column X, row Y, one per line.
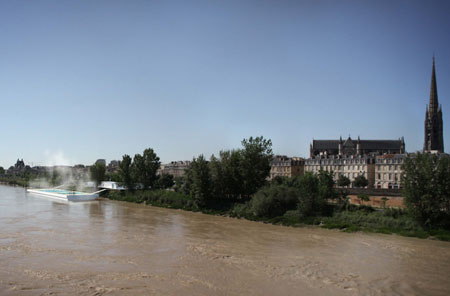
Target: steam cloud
column 60, row 169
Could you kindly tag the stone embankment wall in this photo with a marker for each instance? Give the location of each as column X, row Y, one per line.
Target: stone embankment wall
column 375, row 201
column 394, row 196
column 375, row 192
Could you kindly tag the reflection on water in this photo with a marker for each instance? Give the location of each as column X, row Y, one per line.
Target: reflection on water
column 116, row 248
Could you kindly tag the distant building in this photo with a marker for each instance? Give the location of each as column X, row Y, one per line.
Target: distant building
column 19, row 168
column 113, row 166
column 356, row 147
column 283, row 166
column 174, row 168
column 381, row 171
column 388, row 171
column 434, row 137
column 349, row 166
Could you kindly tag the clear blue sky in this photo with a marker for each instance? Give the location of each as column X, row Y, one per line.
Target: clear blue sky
column 98, row 79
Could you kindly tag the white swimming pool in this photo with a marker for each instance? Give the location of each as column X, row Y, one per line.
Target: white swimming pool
column 63, row 194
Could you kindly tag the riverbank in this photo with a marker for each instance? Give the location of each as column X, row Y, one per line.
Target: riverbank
column 15, row 181
column 352, row 218
column 124, row 248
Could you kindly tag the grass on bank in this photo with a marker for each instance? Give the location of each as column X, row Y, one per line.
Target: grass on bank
column 14, row 181
column 354, row 218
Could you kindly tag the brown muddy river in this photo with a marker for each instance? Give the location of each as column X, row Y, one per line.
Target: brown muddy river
column 116, row 248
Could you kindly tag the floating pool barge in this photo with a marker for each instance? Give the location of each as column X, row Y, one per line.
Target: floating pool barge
column 65, row 195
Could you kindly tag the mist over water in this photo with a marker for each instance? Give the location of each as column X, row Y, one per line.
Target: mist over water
column 61, row 171
column 115, row 248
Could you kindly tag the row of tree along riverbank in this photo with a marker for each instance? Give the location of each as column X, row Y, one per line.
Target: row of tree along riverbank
column 234, row 184
column 333, row 216
column 14, row 181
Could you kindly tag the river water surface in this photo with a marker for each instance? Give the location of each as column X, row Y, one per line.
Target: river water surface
column 116, row 248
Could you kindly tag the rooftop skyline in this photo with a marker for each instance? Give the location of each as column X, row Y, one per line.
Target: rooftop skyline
column 86, row 80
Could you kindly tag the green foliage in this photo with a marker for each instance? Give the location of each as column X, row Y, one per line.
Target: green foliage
column 161, row 198
column 231, row 182
column 2, row 171
column 343, row 181
column 310, row 202
column 312, row 192
column 218, row 186
column 183, row 184
column 274, row 201
column 56, row 178
column 164, row 181
column 112, row 177
column 363, row 197
column 235, row 175
column 326, row 185
column 98, row 171
column 343, row 200
column 360, row 182
column 384, row 199
column 201, row 188
column 125, row 172
column 255, row 165
column 278, row 180
column 426, row 188
column 144, row 168
column 242, row 210
column 376, row 221
column 14, row 181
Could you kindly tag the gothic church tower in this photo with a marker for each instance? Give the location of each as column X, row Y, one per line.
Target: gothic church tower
column 434, row 139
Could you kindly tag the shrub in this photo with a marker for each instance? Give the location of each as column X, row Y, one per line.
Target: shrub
column 241, row 210
column 310, row 201
column 360, row 182
column 274, row 201
column 155, row 197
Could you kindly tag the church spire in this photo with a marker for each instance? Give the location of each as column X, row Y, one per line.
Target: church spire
column 434, row 104
column 434, row 137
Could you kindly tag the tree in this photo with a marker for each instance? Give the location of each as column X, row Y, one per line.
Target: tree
column 201, row 188
column 426, row 188
column 360, row 182
column 164, row 181
column 226, row 174
column 2, row 171
column 363, row 197
column 112, row 176
column 125, row 172
column 145, row 167
column 310, row 201
column 255, row 166
column 98, row 171
column 384, row 199
column 184, row 184
column 274, row 201
column 217, row 178
column 326, row 185
column 277, row 180
column 55, row 178
column 343, row 181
